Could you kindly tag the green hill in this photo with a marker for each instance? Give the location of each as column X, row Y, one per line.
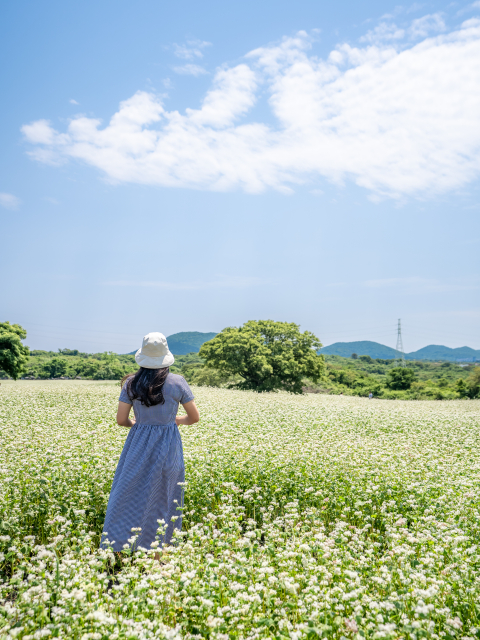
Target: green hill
column 361, row 348
column 188, row 342
column 439, row 352
column 432, row 352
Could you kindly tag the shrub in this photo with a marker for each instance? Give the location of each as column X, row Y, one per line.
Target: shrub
column 400, row 378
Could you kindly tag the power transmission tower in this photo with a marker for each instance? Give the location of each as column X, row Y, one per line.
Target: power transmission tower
column 401, row 355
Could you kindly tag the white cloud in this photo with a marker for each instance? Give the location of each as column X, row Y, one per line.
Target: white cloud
column 9, row 201
column 422, row 27
column 225, row 282
column 191, row 50
column 383, row 32
column 416, row 284
column 72, row 101
column 190, row 70
column 39, row 132
column 397, row 119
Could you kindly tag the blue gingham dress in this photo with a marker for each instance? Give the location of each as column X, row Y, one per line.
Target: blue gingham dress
column 145, row 488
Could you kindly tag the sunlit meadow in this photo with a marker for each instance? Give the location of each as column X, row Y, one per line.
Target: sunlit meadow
column 304, row 517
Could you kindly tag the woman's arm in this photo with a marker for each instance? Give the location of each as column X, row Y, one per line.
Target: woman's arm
column 122, row 415
column 192, row 414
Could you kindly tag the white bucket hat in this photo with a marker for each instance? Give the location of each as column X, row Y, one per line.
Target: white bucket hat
column 154, row 353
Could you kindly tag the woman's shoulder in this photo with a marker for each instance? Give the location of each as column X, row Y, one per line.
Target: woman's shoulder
column 179, row 388
column 175, row 378
column 126, row 380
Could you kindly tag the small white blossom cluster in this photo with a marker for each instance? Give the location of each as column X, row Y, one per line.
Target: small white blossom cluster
column 305, row 518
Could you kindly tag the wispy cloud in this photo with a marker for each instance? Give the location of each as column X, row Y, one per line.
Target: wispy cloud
column 227, row 282
column 190, row 70
column 469, row 8
column 385, row 31
column 415, row 284
column 419, row 28
column 9, row 201
column 191, row 50
column 423, row 27
column 398, row 119
column 72, row 101
column 401, row 9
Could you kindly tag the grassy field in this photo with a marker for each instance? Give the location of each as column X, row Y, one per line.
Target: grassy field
column 305, row 516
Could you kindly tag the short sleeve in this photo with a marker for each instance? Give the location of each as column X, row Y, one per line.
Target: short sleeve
column 124, row 395
column 186, row 394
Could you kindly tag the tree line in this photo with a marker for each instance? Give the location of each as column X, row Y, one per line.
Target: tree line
column 260, row 355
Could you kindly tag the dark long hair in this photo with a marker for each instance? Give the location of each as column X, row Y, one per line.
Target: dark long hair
column 147, row 385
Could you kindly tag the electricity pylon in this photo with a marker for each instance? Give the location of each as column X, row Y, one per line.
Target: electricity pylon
column 401, row 355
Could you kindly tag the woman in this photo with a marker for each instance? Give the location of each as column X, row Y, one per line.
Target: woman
column 146, row 485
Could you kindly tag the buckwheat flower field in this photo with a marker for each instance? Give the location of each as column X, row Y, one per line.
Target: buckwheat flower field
column 304, row 517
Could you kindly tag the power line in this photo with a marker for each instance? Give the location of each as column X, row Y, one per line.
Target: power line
column 102, row 342
column 383, row 332
column 62, row 335
column 440, row 332
column 83, row 329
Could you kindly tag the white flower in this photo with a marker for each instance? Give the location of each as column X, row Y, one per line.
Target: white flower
column 385, row 630
column 214, row 622
column 351, row 625
column 456, row 623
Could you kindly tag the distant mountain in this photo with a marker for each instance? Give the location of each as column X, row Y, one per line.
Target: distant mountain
column 377, row 350
column 190, row 342
column 439, row 352
column 186, row 342
column 361, row 348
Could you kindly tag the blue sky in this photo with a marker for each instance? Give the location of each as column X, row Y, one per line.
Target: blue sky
column 190, row 166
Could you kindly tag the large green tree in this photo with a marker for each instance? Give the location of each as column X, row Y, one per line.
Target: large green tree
column 13, row 354
column 267, row 355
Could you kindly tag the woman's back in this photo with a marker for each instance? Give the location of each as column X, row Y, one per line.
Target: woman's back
column 148, row 485
column 175, row 391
